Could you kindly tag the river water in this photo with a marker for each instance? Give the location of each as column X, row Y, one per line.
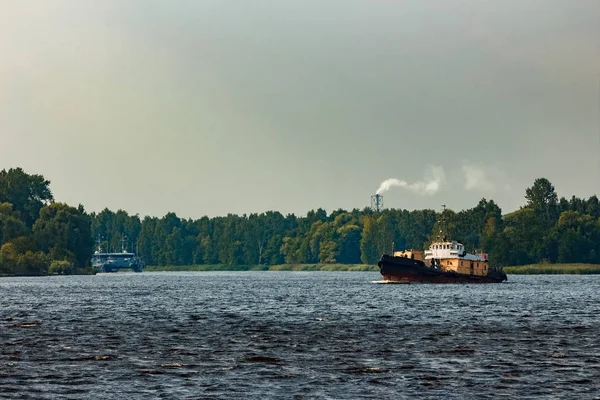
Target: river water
column 337, row 335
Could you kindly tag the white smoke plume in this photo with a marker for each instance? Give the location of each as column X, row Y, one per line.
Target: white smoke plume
column 432, row 182
column 480, row 179
column 390, row 183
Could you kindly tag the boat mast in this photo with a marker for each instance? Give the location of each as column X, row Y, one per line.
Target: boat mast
column 442, row 234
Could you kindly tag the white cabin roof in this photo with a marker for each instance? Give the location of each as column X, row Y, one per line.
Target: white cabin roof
column 451, row 249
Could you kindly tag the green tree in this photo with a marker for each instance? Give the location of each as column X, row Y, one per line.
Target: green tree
column 523, row 233
column 172, row 248
column 415, row 228
column 273, row 254
column 209, row 250
column 11, row 225
column 64, row 233
column 593, row 207
column 578, row 237
column 349, row 244
column 27, row 193
column 542, row 198
column 61, row 267
column 368, row 242
column 290, row 250
column 8, row 258
column 29, row 263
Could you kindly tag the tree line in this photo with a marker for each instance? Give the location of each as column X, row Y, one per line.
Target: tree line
column 545, row 229
column 39, row 236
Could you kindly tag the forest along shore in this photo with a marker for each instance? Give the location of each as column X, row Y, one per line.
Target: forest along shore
column 39, row 236
column 533, row 269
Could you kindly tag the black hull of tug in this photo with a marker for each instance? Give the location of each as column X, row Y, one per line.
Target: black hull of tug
column 407, row 270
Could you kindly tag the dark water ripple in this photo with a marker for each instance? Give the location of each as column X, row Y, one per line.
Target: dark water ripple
column 297, row 335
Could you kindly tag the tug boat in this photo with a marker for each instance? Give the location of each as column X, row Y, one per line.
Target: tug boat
column 446, row 261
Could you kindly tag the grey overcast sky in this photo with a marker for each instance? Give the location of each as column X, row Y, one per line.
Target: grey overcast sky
column 207, row 107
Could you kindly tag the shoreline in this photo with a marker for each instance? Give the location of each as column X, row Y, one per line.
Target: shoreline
column 532, row 269
column 280, row 267
column 554, row 269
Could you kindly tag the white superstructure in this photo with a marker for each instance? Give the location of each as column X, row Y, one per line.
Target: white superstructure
column 453, row 249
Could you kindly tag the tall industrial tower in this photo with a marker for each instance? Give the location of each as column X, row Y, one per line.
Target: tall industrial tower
column 377, row 202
